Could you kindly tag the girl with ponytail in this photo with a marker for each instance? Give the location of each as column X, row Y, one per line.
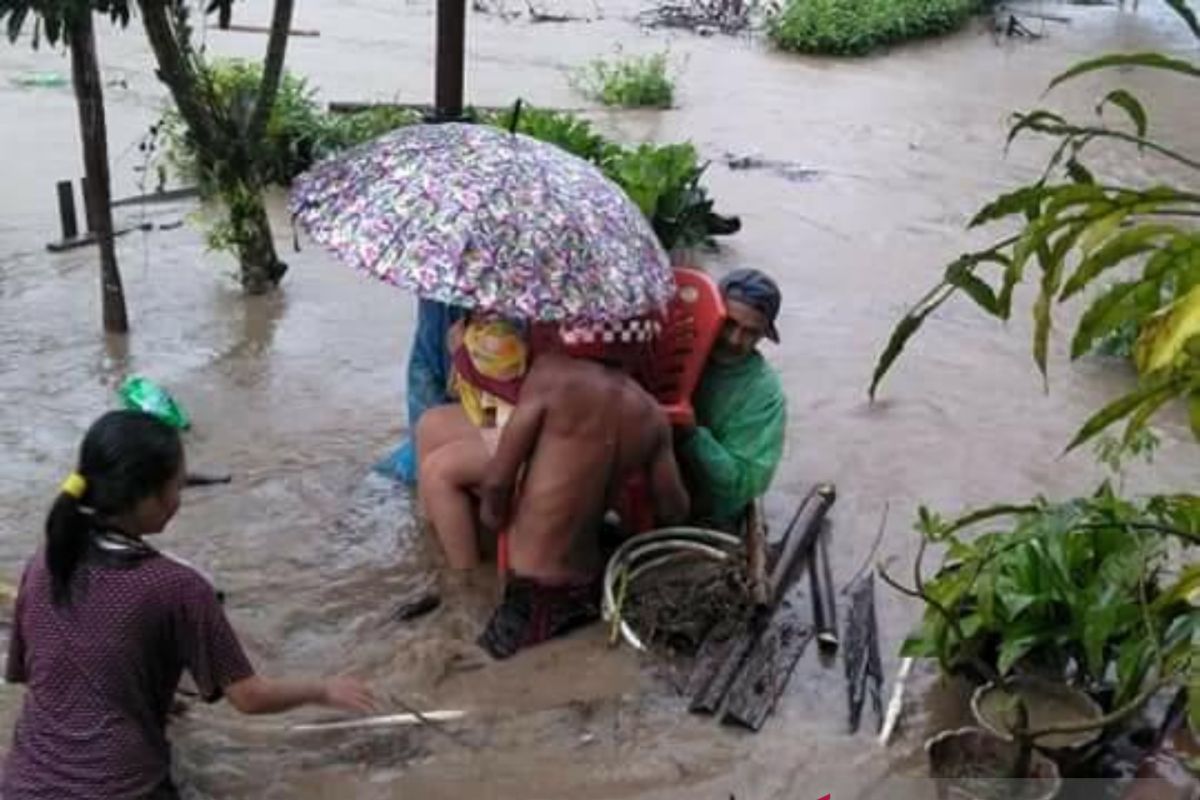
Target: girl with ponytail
column 105, row 625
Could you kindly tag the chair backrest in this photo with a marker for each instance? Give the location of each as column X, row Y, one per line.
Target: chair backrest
column 689, row 331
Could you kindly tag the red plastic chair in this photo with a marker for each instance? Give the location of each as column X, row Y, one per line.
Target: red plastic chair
column 689, row 331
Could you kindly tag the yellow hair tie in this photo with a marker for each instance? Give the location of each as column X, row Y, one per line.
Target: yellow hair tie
column 74, row 486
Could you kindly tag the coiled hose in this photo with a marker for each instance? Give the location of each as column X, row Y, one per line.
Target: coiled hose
column 655, row 549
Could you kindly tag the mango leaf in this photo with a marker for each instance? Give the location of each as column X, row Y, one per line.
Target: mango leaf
column 1181, row 8
column 1123, row 302
column 1013, row 650
column 1130, row 104
column 1124, row 245
column 1098, row 232
column 1016, row 202
column 1067, row 196
column 960, row 276
column 1078, row 172
column 1035, row 120
column 16, row 20
column 1122, row 407
column 1148, row 60
column 904, row 331
column 1164, row 336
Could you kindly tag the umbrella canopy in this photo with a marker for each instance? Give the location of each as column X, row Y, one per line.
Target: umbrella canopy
column 478, row 217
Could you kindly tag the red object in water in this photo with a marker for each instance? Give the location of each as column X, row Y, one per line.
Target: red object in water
column 689, row 331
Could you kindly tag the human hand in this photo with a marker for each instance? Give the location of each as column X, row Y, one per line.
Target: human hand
column 493, row 506
column 348, row 694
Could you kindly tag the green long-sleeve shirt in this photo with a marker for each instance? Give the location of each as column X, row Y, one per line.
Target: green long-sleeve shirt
column 730, row 458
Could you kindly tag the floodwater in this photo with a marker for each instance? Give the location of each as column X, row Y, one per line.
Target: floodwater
column 298, row 393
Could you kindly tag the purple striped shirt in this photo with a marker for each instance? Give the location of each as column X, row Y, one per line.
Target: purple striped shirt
column 102, row 673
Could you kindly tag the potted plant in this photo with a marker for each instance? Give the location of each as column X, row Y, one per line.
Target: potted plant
column 1051, row 602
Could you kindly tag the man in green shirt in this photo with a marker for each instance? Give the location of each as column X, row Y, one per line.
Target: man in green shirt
column 729, row 456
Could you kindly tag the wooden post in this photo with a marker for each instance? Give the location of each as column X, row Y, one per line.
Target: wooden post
column 89, row 98
column 448, row 80
column 66, row 211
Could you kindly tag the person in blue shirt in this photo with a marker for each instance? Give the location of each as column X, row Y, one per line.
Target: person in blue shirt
column 428, row 378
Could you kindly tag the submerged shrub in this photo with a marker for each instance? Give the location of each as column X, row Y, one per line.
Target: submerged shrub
column 630, row 82
column 855, row 27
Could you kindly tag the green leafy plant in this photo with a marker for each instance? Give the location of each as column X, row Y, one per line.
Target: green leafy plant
column 1076, row 230
column 855, row 27
column 663, row 180
column 628, row 82
column 292, row 130
column 1083, row 590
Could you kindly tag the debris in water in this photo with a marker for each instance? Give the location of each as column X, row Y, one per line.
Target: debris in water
column 788, row 170
column 704, row 17
column 864, row 666
column 40, row 80
column 409, row 610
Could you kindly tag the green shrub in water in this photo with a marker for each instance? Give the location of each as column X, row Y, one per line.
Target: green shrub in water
column 855, row 27
column 663, row 180
column 631, row 82
column 298, row 131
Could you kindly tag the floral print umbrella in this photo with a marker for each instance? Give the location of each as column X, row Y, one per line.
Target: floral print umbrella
column 478, row 217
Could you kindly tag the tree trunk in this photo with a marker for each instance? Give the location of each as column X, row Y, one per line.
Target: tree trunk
column 261, row 269
column 89, row 97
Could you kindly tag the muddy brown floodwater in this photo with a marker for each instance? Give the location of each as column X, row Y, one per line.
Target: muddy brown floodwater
column 298, row 393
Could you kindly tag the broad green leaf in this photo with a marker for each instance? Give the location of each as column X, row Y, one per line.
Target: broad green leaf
column 1184, row 590
column 1015, row 603
column 1133, row 663
column 1098, row 625
column 1130, row 104
column 1124, row 245
column 1164, row 336
column 1013, row 650
column 1148, row 60
column 1124, row 406
column 904, row 331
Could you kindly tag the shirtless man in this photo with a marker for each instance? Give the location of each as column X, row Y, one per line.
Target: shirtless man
column 580, row 430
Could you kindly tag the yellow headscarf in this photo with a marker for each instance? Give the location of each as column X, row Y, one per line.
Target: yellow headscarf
column 497, row 350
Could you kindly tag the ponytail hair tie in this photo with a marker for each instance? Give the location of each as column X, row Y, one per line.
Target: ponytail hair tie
column 74, row 486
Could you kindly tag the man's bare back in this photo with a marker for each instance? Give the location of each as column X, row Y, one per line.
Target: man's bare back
column 580, row 430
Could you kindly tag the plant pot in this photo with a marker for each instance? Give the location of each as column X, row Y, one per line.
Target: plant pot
column 974, row 764
column 1047, row 703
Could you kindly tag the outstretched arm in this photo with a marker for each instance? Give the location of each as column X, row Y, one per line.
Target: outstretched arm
column 516, row 444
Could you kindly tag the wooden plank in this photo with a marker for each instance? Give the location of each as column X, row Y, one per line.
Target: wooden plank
column 764, row 678
column 719, row 664
column 264, row 29
column 165, row 196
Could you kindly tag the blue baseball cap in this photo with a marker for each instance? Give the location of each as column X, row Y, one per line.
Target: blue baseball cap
column 757, row 290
